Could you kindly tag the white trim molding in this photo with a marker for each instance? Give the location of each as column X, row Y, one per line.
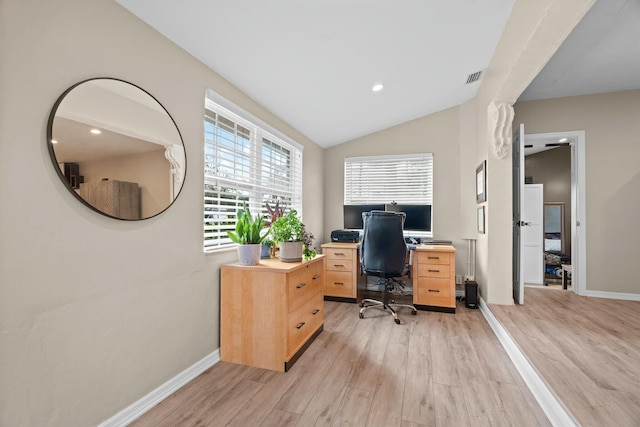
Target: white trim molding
column 553, row 408
column 614, row 295
column 499, row 125
column 138, row 408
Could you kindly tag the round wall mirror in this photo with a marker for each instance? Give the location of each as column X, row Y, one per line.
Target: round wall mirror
column 116, row 148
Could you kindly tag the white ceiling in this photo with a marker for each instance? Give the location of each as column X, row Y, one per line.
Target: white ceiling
column 602, row 54
column 313, row 62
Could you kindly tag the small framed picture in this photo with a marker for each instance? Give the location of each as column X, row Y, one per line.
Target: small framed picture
column 481, row 182
column 481, row 220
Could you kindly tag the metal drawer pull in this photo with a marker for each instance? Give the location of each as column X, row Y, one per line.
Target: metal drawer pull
column 433, row 271
column 434, row 290
column 433, row 257
column 300, row 325
column 316, row 311
column 338, row 283
column 339, row 253
column 301, row 285
column 338, row 265
column 317, row 276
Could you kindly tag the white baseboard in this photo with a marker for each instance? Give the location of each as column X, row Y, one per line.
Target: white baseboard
column 553, row 408
column 613, row 295
column 136, row 409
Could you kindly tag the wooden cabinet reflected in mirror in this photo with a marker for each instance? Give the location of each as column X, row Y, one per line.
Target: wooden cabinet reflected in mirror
column 116, row 148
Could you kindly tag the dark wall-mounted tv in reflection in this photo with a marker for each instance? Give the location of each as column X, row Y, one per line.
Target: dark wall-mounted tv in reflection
column 418, row 217
column 353, row 215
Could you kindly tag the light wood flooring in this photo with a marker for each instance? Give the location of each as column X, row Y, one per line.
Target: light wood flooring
column 587, row 350
column 435, row 369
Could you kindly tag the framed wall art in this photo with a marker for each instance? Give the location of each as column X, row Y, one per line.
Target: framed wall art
column 481, row 182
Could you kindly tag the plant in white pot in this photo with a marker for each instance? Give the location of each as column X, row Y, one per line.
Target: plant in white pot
column 294, row 241
column 249, row 235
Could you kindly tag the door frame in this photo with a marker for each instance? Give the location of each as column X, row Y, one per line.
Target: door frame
column 578, row 204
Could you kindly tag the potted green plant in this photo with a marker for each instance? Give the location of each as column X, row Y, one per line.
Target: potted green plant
column 291, row 235
column 249, row 235
column 267, row 245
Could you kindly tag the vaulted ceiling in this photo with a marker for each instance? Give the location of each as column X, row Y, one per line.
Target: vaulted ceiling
column 313, row 63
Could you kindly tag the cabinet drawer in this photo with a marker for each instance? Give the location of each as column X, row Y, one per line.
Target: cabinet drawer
column 302, row 285
column 339, row 284
column 434, row 291
column 433, row 258
column 339, row 265
column 433, row 270
column 334, row 253
column 303, row 322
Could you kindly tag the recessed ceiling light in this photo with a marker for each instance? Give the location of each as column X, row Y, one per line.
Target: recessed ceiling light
column 95, row 131
column 53, row 141
column 563, row 139
column 377, row 87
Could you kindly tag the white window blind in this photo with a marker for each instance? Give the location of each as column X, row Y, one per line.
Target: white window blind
column 404, row 179
column 244, row 163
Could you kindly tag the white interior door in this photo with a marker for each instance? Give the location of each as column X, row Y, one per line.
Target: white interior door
column 531, row 234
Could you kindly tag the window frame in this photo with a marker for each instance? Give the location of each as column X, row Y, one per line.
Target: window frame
column 391, row 186
column 253, row 186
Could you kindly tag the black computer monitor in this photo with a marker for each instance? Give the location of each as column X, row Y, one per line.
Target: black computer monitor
column 418, row 217
column 353, row 215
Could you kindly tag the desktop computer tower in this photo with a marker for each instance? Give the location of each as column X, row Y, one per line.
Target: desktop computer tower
column 471, row 294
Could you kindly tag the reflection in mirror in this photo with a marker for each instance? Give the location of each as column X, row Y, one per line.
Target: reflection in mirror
column 116, row 148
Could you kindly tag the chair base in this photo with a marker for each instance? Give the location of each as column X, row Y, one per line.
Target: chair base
column 382, row 305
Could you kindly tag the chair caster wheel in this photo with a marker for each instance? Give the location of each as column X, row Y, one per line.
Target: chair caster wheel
column 361, row 316
column 361, row 304
column 397, row 321
column 414, row 312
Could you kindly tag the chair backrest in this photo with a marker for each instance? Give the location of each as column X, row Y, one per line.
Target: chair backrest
column 383, row 250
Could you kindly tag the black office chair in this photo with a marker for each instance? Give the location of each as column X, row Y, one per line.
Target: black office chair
column 383, row 253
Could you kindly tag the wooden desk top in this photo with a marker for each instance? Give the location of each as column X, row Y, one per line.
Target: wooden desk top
column 437, row 248
column 271, row 264
column 338, row 245
column 422, row 247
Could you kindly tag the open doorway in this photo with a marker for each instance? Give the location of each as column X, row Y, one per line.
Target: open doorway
column 564, row 228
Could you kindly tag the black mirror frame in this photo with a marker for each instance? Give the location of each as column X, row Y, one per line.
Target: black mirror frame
column 60, row 173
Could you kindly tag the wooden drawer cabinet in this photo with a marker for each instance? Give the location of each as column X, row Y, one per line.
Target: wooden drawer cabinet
column 343, row 271
column 305, row 319
column 434, row 276
column 339, row 284
column 270, row 312
column 303, row 284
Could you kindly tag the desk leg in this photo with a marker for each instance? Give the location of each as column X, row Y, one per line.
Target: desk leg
column 565, row 279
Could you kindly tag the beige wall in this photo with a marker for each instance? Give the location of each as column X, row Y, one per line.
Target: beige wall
column 437, row 134
column 612, row 151
column 533, row 33
column 96, row 313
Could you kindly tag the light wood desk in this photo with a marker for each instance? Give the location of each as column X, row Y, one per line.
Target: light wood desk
column 343, row 271
column 434, row 277
column 433, row 273
column 270, row 312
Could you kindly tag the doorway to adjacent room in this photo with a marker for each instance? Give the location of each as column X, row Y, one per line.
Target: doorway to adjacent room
column 563, row 240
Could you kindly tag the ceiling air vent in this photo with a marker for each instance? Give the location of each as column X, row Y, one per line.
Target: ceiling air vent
column 474, row 77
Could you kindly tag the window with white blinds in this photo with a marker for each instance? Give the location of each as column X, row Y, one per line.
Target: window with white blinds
column 404, row 179
column 244, row 163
